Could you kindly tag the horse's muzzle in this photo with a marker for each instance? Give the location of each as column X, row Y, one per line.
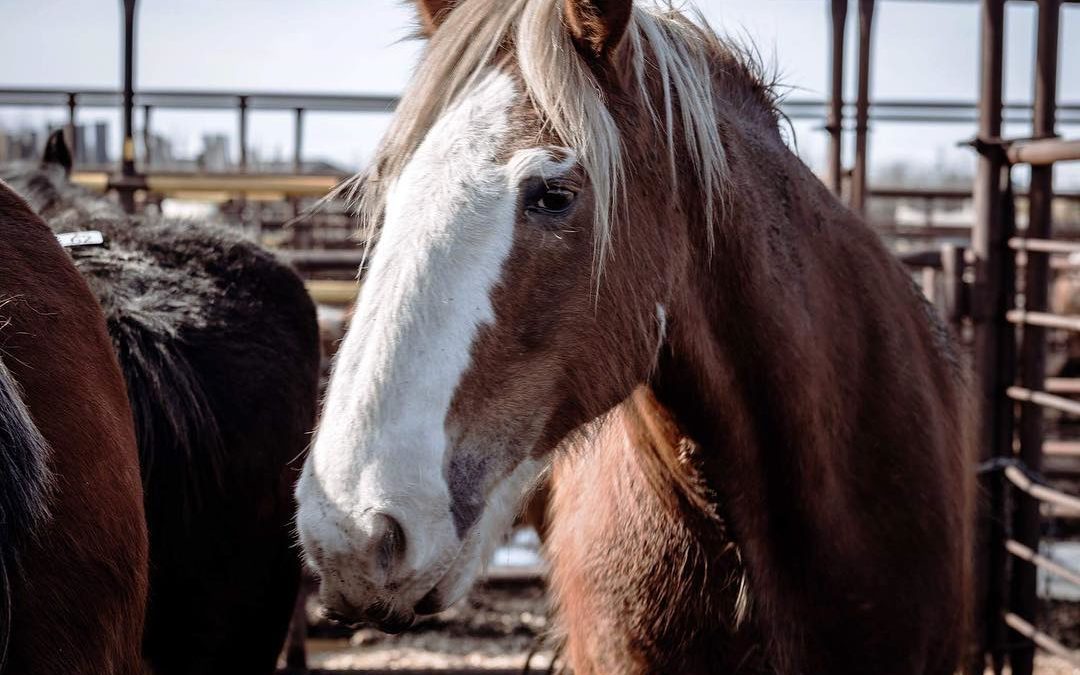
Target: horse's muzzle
column 377, row 616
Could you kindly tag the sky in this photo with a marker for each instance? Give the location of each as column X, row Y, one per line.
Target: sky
column 922, row 49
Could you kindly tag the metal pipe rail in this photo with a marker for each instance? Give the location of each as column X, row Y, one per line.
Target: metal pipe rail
column 1022, row 317
column 321, row 261
column 1038, row 560
column 1041, row 639
column 1044, row 399
column 1044, row 151
column 1044, row 245
column 1061, row 448
column 1063, row 385
column 919, row 111
column 896, row 192
column 299, row 185
column 1044, row 494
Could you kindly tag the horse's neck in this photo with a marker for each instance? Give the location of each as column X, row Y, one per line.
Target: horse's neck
column 740, row 334
column 757, row 365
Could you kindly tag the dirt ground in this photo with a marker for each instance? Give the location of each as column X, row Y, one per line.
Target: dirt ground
column 495, row 628
column 498, row 626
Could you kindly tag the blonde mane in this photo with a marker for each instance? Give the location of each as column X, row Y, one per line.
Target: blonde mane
column 477, row 33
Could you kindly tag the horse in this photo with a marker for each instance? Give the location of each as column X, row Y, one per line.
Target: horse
column 586, row 209
column 219, row 347
column 73, row 543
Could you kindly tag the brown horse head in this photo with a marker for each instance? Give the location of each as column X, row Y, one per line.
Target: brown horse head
column 548, row 173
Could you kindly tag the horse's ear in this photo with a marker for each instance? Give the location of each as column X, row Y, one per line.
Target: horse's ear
column 57, row 152
column 598, row 26
column 433, row 13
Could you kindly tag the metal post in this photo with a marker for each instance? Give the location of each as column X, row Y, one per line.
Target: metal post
column 991, row 298
column 296, row 643
column 862, row 106
column 955, row 290
column 126, row 189
column 73, row 130
column 243, row 132
column 835, row 125
column 1022, row 587
column 298, row 142
column 148, row 140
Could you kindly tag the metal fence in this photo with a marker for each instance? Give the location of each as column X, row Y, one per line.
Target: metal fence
column 1011, row 317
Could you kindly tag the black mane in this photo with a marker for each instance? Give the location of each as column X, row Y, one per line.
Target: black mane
column 170, row 289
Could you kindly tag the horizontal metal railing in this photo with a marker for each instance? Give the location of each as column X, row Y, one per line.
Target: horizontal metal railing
column 910, row 110
column 1044, row 245
column 1043, row 151
column 1049, row 564
column 1044, row 319
column 1044, row 399
column 1041, row 639
column 1044, row 494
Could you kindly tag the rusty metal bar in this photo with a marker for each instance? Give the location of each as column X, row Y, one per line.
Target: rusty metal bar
column 1044, row 245
column 1041, row 492
column 1041, row 639
column 319, row 261
column 1062, row 385
column 835, row 123
column 126, row 186
column 296, row 639
column 1022, row 317
column 148, row 138
column 862, row 106
column 1045, row 399
column 922, row 259
column 956, row 301
column 940, row 193
column 1063, row 448
column 993, row 349
column 242, row 107
column 298, row 141
column 1039, row 560
column 73, row 129
column 1026, row 516
column 906, row 110
column 1044, row 151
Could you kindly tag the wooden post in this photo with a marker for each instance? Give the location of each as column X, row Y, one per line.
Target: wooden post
column 835, row 125
column 994, row 348
column 1022, row 587
column 862, row 106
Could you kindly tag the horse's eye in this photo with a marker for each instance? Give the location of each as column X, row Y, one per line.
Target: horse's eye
column 554, row 200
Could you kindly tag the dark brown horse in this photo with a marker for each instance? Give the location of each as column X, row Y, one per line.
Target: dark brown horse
column 218, row 344
column 73, row 545
column 588, row 205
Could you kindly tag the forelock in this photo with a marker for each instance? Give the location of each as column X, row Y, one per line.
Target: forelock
column 677, row 53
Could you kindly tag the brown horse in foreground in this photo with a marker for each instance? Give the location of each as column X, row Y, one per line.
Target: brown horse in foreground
column 588, row 205
column 73, row 549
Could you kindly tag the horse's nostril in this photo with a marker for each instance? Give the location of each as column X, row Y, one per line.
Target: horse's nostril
column 387, row 541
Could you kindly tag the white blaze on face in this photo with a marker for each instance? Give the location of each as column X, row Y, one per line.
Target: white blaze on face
column 448, row 229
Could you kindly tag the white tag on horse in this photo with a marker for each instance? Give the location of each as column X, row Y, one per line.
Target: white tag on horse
column 87, row 238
